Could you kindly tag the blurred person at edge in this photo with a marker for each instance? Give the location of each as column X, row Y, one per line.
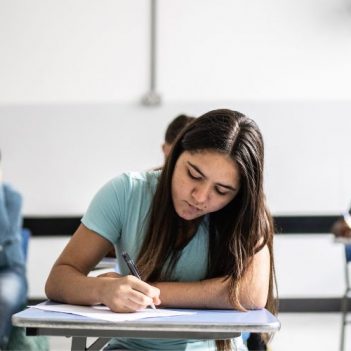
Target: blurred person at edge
column 13, row 283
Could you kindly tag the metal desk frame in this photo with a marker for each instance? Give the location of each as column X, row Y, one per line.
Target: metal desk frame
column 205, row 324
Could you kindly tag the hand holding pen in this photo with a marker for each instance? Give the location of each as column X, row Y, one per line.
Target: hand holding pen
column 133, row 269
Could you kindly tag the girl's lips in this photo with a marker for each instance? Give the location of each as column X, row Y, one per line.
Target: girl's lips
column 193, row 207
column 189, row 211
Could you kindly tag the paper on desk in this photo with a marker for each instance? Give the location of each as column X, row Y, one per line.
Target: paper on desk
column 104, row 313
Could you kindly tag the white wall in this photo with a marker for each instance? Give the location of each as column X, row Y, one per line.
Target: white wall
column 59, row 155
column 72, row 80
column 59, row 51
column 97, row 51
column 307, row 266
column 72, row 74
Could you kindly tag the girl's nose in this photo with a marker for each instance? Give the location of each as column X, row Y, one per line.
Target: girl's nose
column 201, row 194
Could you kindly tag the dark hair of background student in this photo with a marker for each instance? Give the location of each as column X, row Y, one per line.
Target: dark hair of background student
column 175, row 127
column 173, row 130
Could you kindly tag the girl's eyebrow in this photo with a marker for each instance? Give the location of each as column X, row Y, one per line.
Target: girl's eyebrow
column 229, row 187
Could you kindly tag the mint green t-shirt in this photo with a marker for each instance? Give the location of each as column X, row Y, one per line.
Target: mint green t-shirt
column 119, row 212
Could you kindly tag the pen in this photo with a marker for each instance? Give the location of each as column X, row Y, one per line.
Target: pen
column 133, row 270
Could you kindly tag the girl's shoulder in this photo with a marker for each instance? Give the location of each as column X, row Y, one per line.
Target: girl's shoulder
column 137, row 178
column 132, row 181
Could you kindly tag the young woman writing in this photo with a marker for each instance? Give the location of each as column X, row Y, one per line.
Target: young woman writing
column 199, row 231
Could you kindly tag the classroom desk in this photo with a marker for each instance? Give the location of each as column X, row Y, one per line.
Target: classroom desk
column 107, row 262
column 205, row 324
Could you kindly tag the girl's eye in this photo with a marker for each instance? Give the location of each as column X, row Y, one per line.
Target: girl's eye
column 220, row 192
column 193, row 176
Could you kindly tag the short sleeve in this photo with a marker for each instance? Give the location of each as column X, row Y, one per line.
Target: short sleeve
column 105, row 214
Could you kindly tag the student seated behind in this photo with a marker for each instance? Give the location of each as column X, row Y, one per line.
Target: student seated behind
column 342, row 226
column 199, row 231
column 13, row 283
column 173, row 130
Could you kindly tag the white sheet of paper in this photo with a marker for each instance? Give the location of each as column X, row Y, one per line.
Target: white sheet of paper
column 104, row 313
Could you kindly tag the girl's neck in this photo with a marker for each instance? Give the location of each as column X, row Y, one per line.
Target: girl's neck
column 186, row 231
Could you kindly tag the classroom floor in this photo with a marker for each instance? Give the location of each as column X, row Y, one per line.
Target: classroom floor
column 299, row 332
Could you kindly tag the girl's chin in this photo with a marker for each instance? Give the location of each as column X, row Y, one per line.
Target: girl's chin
column 188, row 216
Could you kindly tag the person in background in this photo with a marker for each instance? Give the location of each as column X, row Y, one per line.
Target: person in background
column 342, row 226
column 13, row 283
column 199, row 231
column 173, row 130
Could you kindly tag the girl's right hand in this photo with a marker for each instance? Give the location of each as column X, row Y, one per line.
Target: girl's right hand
column 127, row 293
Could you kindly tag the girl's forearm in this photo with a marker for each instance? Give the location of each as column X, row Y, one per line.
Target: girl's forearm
column 119, row 293
column 210, row 293
column 214, row 293
column 67, row 285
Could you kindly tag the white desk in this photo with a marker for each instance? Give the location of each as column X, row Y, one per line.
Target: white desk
column 343, row 240
column 107, row 262
column 204, row 324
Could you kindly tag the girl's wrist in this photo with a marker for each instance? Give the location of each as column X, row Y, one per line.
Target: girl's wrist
column 100, row 288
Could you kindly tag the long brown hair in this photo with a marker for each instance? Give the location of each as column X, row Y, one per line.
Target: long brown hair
column 237, row 231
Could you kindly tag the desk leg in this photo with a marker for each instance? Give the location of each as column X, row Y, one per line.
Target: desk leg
column 80, row 344
column 98, row 344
